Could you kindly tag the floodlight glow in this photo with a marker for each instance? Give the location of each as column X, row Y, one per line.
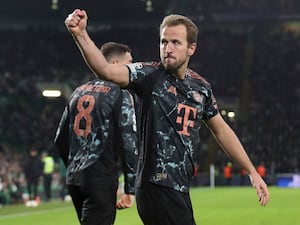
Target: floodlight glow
column 223, row 112
column 231, row 114
column 51, row 93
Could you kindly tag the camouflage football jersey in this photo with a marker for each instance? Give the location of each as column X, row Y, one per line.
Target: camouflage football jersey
column 171, row 117
column 98, row 125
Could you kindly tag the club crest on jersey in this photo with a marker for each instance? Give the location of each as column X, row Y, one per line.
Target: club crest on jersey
column 173, row 90
column 197, row 97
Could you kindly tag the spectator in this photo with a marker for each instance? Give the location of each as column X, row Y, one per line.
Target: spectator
column 33, row 168
column 228, row 173
column 48, row 169
column 261, row 169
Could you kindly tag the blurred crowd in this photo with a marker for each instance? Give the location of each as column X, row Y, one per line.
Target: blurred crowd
column 253, row 72
column 237, row 6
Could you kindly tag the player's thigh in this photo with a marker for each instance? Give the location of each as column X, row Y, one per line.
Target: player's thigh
column 99, row 207
column 159, row 205
column 77, row 198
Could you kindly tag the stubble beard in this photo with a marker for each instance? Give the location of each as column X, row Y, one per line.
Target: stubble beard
column 173, row 68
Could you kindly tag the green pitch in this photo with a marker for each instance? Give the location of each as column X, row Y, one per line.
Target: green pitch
column 219, row 206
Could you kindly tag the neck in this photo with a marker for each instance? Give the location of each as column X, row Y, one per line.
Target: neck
column 180, row 72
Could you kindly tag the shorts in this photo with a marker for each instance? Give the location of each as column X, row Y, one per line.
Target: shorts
column 94, row 205
column 158, row 205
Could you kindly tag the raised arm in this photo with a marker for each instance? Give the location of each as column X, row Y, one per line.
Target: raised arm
column 76, row 23
column 231, row 145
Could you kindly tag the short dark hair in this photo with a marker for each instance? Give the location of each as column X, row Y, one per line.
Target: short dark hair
column 112, row 49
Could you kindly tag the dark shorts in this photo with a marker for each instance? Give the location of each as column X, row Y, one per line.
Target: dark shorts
column 158, row 205
column 94, row 205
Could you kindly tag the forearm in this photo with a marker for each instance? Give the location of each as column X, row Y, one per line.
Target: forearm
column 229, row 142
column 129, row 160
column 232, row 146
column 234, row 149
column 129, row 169
column 91, row 54
column 116, row 73
column 76, row 23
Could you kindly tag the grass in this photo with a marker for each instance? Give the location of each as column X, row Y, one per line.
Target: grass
column 240, row 206
column 224, row 206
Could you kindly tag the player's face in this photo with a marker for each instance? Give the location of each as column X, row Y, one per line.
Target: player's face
column 175, row 50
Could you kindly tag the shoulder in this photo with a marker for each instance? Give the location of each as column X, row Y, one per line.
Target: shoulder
column 194, row 75
column 199, row 83
column 143, row 66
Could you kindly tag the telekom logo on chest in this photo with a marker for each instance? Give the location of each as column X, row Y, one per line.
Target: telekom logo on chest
column 185, row 120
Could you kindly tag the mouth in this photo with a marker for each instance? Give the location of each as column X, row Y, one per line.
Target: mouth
column 168, row 57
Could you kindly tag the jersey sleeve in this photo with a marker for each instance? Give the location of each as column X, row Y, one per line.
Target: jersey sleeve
column 141, row 69
column 128, row 135
column 61, row 138
column 211, row 107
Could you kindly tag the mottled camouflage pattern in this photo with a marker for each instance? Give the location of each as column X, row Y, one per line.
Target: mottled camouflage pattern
column 172, row 115
column 99, row 117
column 128, row 128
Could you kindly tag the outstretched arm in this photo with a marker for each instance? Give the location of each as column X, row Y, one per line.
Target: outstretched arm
column 76, row 23
column 231, row 145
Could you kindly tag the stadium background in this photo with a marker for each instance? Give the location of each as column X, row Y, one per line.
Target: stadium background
column 248, row 50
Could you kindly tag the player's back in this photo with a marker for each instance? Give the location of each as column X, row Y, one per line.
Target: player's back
column 94, row 109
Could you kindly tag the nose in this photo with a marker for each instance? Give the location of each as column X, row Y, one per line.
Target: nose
column 168, row 48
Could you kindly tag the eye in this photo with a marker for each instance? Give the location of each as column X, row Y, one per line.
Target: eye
column 176, row 42
column 164, row 42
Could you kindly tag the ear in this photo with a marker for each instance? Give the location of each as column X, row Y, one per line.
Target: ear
column 192, row 49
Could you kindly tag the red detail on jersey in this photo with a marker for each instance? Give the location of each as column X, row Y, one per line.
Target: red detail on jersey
column 84, row 113
column 195, row 75
column 173, row 90
column 96, row 88
column 185, row 121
